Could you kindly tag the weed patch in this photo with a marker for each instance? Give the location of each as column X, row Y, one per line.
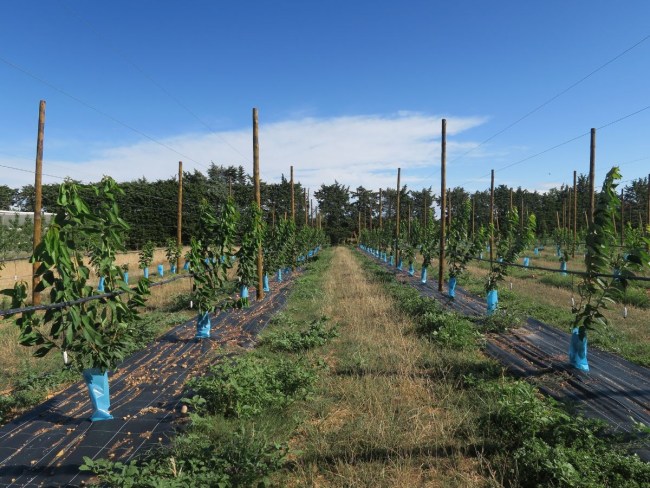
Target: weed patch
column 301, row 340
column 545, row 446
column 242, row 457
column 247, row 385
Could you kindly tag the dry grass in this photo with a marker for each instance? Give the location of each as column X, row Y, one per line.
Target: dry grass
column 382, row 419
column 21, row 270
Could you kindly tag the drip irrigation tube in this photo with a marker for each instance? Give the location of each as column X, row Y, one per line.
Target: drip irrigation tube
column 54, row 306
column 579, row 273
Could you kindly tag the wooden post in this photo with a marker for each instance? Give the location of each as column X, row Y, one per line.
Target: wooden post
column 293, row 199
column 38, row 198
column 569, row 210
column 397, row 253
column 304, row 193
column 443, row 201
column 311, row 212
column 592, row 176
column 230, row 186
column 381, row 209
column 179, row 216
column 492, row 221
column 648, row 219
column 575, row 212
column 557, row 218
column 258, row 201
column 359, row 227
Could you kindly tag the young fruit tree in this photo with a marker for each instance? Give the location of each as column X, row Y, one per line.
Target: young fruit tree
column 94, row 335
column 511, row 242
column 209, row 259
column 608, row 270
column 251, row 239
column 461, row 248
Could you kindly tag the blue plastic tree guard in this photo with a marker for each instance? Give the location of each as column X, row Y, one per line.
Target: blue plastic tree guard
column 100, row 285
column 203, row 326
column 279, row 276
column 146, row 272
column 173, row 269
column 265, row 281
column 399, row 264
column 126, row 277
column 97, row 383
column 243, row 292
column 526, row 262
column 563, row 268
column 423, row 274
column 452, row 287
column 578, row 351
column 161, row 270
column 492, row 301
column 411, row 269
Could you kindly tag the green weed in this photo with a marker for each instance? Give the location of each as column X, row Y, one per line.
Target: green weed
column 247, row 385
column 301, row 340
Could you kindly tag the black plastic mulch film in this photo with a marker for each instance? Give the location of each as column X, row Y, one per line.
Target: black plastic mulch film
column 615, row 390
column 46, row 446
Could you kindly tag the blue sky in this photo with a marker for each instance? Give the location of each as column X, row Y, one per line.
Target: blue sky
column 346, row 89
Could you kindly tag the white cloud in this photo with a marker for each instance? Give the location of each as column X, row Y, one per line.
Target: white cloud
column 355, row 150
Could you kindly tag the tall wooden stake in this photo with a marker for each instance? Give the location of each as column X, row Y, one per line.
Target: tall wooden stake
column 359, row 227
column 397, row 251
column 443, row 201
column 648, row 214
column 492, row 221
column 592, row 176
column 38, row 197
column 569, row 211
column 258, row 201
column 179, row 216
column 293, row 199
column 381, row 208
column 230, row 186
column 304, row 193
column 575, row 212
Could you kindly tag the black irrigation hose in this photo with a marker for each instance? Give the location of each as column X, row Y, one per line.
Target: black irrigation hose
column 54, row 306
column 579, row 273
